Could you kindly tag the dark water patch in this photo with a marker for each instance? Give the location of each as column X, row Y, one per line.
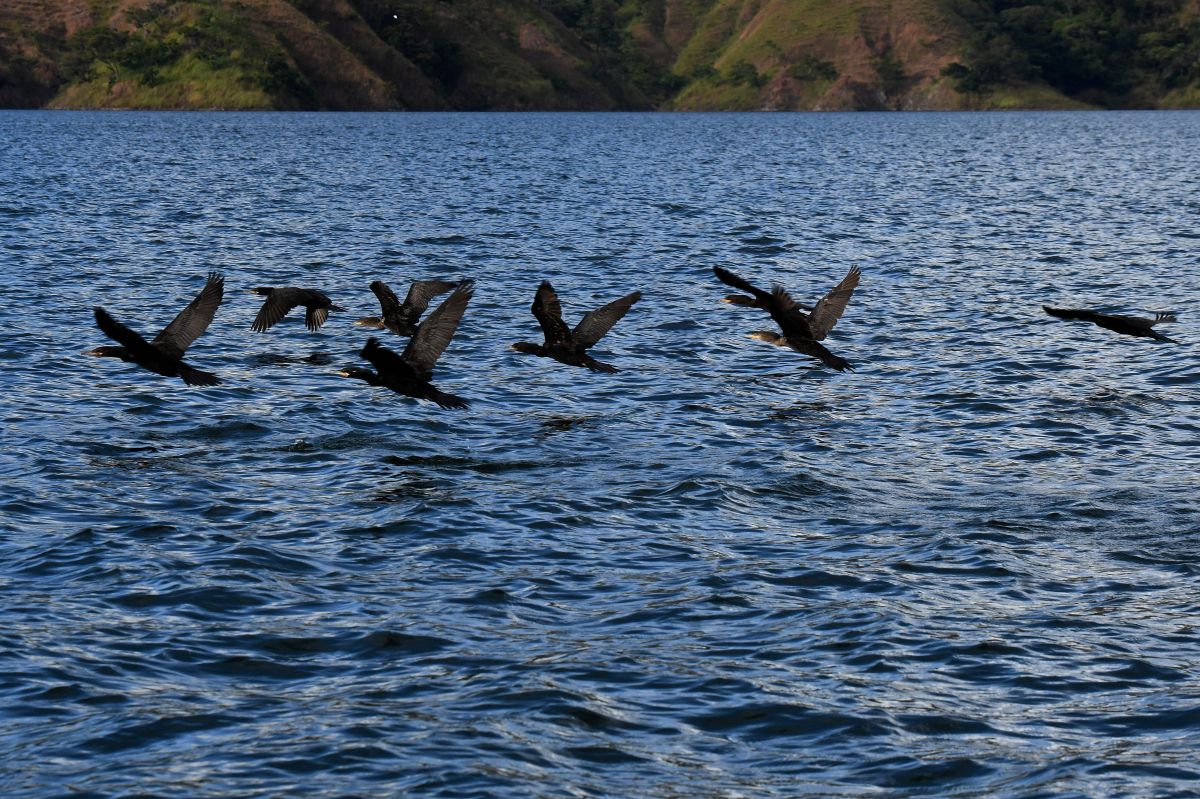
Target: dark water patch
column 387, row 642
column 818, row 580
column 763, row 722
column 160, row 732
column 610, row 755
column 471, row 464
column 252, row 558
column 228, row 431
column 925, row 777
column 211, row 599
column 250, row 668
column 588, row 719
column 491, row 596
column 442, row 240
column 1149, row 724
column 561, row 424
column 944, row 725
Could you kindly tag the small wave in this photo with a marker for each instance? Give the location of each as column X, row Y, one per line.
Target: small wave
column 761, row 722
column 442, row 240
column 156, row 733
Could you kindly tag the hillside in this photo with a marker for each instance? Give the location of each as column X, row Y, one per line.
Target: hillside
column 598, row 54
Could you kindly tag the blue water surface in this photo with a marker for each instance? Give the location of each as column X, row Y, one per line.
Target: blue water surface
column 967, row 569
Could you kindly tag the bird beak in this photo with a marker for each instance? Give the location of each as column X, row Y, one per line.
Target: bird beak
column 344, row 372
column 95, row 352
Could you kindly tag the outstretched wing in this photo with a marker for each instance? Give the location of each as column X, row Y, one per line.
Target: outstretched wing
column 549, row 315
column 314, row 317
column 387, row 298
column 593, row 326
column 829, row 308
column 730, row 279
column 193, row 320
column 421, row 292
column 121, row 334
column 278, row 303
column 387, row 363
column 431, row 338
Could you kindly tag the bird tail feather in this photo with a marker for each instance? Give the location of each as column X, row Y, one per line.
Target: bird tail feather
column 824, row 355
column 445, row 400
column 196, row 377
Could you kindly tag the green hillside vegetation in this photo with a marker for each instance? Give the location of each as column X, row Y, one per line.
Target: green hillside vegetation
column 179, row 55
column 599, row 54
column 1108, row 53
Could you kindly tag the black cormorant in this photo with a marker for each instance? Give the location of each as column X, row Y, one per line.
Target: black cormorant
column 281, row 300
column 402, row 319
column 570, row 346
column 801, row 331
column 164, row 354
column 1129, row 325
column 409, row 373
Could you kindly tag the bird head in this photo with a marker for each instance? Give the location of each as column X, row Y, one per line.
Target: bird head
column 740, row 299
column 370, row 321
column 107, row 352
column 528, row 347
column 261, row 290
column 356, row 372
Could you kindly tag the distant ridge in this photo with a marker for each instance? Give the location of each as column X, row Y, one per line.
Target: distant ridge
column 598, row 55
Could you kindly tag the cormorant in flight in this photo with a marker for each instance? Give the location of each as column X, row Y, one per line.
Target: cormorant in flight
column 1129, row 325
column 317, row 306
column 402, row 319
column 801, row 331
column 164, row 354
column 570, row 346
column 409, row 373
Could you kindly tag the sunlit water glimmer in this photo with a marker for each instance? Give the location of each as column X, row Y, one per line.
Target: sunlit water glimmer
column 968, row 568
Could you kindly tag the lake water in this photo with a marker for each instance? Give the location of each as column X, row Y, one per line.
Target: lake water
column 970, row 568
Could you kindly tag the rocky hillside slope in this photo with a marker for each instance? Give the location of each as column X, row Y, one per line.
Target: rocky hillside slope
column 598, row 54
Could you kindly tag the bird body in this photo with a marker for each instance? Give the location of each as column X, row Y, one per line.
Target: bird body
column 317, row 306
column 801, row 331
column 570, row 346
column 1118, row 323
column 403, row 318
column 804, row 346
column 409, row 373
column 164, row 354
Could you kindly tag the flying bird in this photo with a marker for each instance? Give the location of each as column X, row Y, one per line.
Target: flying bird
column 403, row 318
column 1129, row 325
column 570, row 346
column 801, row 331
column 164, row 354
column 317, row 306
column 409, row 373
